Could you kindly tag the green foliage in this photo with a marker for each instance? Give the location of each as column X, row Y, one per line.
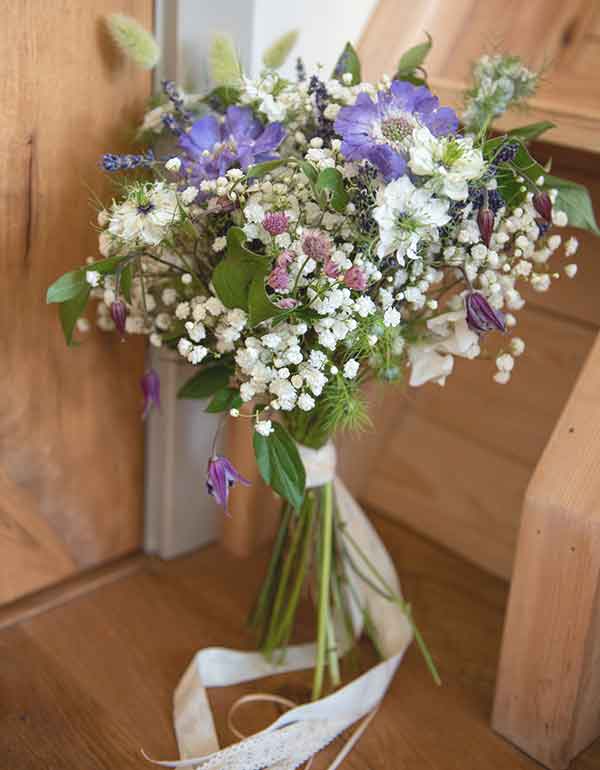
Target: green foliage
column 224, row 64
column 260, row 306
column 348, row 63
column 66, row 287
column 222, row 97
column 280, row 465
column 208, row 381
column 72, row 309
column 133, row 40
column 232, row 277
column 275, row 56
column 331, row 181
column 126, row 278
column 224, row 400
column 531, row 131
column 344, row 406
column 411, row 62
column 261, row 169
column 575, row 201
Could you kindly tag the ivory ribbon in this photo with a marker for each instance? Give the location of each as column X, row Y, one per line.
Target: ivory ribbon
column 304, row 730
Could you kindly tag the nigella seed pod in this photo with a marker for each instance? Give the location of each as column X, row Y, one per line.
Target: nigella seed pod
column 481, row 316
column 118, row 313
column 485, row 220
column 543, row 205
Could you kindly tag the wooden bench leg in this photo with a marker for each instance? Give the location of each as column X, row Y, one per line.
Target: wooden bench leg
column 548, row 688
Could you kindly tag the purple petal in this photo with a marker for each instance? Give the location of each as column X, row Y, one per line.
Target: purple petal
column 203, row 135
column 441, row 122
column 390, row 163
column 221, row 476
column 150, row 385
column 481, row 316
column 270, row 139
column 241, row 124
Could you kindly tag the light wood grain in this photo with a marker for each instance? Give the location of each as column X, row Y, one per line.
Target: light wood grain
column 549, row 678
column 90, row 683
column 70, row 430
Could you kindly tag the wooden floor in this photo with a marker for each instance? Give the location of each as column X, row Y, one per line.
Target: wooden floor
column 86, row 685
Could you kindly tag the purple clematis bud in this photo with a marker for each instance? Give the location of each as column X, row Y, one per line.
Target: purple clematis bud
column 485, row 220
column 150, row 384
column 481, row 316
column 543, row 205
column 220, row 477
column 118, row 312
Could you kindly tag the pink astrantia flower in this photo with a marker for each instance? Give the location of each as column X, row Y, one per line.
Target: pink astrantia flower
column 316, row 244
column 279, row 279
column 220, row 477
column 331, row 269
column 150, row 384
column 355, row 278
column 285, row 259
column 287, row 303
column 275, row 222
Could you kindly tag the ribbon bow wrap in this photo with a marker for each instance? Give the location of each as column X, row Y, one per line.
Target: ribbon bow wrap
column 303, row 731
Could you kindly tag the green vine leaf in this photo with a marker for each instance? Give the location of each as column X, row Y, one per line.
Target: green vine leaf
column 280, row 464
column 206, row 382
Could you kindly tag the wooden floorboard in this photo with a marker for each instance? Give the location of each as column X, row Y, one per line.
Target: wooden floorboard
column 89, row 683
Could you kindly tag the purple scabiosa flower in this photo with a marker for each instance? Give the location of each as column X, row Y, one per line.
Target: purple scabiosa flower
column 481, row 316
column 379, row 131
column 355, row 278
column 118, row 313
column 543, row 205
column 316, row 244
column 220, row 477
column 485, row 221
column 279, row 279
column 275, row 222
column 212, row 147
column 150, row 384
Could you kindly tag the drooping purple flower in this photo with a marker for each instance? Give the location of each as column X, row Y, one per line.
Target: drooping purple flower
column 481, row 316
column 220, row 477
column 275, row 222
column 543, row 205
column 279, row 278
column 485, row 221
column 378, row 131
column 118, row 313
column 316, row 244
column 355, row 278
column 150, row 384
column 212, row 146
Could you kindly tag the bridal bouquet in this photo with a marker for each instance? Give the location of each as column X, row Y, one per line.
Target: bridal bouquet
column 294, row 239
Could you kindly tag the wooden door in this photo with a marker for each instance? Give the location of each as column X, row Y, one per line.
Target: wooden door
column 70, row 429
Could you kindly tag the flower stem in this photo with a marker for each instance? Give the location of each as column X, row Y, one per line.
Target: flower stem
column 324, row 585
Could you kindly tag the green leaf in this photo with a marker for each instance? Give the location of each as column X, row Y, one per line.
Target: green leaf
column 309, row 171
column 348, row 63
column 531, row 131
column 413, row 59
column 260, row 306
column 224, row 64
column 126, row 281
column 575, row 201
column 232, row 277
column 66, row 287
column 222, row 97
column 208, row 381
column 71, row 310
column 260, row 169
column 277, row 53
column 523, row 165
column 332, row 181
column 280, row 464
column 224, row 400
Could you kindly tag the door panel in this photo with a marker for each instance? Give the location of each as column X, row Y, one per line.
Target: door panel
column 70, row 431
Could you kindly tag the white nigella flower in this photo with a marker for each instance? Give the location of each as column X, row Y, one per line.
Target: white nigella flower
column 146, row 215
column 407, row 217
column 450, row 162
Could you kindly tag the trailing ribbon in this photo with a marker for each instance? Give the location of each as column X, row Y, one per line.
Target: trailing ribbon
column 301, row 732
